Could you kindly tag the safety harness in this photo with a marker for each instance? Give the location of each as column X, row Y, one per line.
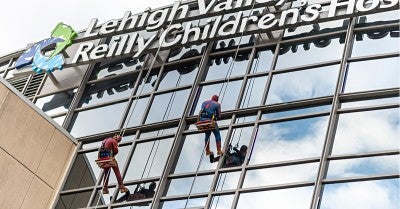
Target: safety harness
column 208, row 124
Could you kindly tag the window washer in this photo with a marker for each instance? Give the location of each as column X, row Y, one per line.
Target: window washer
column 108, row 149
column 211, row 110
column 148, row 193
column 235, row 158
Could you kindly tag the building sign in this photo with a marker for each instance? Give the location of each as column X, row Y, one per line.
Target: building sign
column 61, row 38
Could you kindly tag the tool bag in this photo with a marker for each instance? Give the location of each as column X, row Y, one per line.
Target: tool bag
column 105, row 158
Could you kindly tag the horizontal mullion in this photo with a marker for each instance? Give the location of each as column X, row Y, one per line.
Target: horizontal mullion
column 357, row 179
column 362, row 155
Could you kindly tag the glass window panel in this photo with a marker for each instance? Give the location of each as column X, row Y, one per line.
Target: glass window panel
column 186, row 52
column 148, row 85
column 222, row 66
column 114, row 68
column 59, row 120
column 181, row 75
column 281, row 175
column 160, row 132
column 136, row 111
column 243, row 119
column 373, row 74
column 227, row 181
column 104, row 198
column 222, row 202
column 97, row 120
column 121, row 159
column 378, row 41
column 232, row 43
column 191, row 152
column 369, row 131
column 182, row 186
column 181, row 204
column 317, row 28
column 262, row 60
column 304, row 53
column 228, row 101
column 73, row 201
column 304, row 84
column 370, row 102
column 241, row 136
column 84, row 172
column 134, row 207
column 168, row 106
column 364, row 166
column 132, row 188
column 56, row 103
column 254, row 92
column 296, row 112
column 107, row 91
column 300, row 198
column 363, row 195
column 3, row 66
column 379, row 17
column 149, row 159
column 282, row 141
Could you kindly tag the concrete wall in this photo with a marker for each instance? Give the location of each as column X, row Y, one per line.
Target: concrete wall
column 35, row 154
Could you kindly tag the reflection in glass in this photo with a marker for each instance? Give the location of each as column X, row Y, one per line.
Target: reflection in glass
column 59, row 120
column 383, row 16
column 222, row 66
column 142, row 191
column 147, row 85
column 181, row 75
column 365, row 195
column 232, row 43
column 295, row 112
column 364, row 166
column 378, row 41
column 186, row 52
column 304, row 84
column 227, row 181
column 191, row 152
column 149, row 159
column 369, row 131
column 281, row 175
column 138, row 106
column 363, row 76
column 107, row 69
column 97, row 120
column 300, row 198
column 289, row 140
column 253, row 92
column 121, row 159
column 168, row 106
column 159, row 132
column 370, row 102
column 107, row 91
column 228, row 101
column 73, row 201
column 56, row 103
column 316, row 29
column 191, row 203
column 182, row 186
column 262, row 60
column 104, row 198
column 243, row 119
column 222, row 202
column 84, row 172
column 297, row 54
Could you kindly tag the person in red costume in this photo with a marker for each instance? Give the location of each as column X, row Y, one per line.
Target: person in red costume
column 211, row 110
column 109, row 147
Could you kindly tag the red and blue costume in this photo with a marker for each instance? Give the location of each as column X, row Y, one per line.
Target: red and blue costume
column 211, row 110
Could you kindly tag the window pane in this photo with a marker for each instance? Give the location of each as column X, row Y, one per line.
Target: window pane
column 304, row 84
column 107, row 91
column 168, row 106
column 181, row 75
column 56, row 103
column 364, row 166
column 379, row 17
column 3, row 66
column 222, row 201
column 296, row 54
column 262, row 60
column 289, row 113
column 232, row 43
column 147, row 85
column 104, row 198
column 149, row 159
column 316, row 28
column 300, row 198
column 281, row 175
column 108, row 69
column 159, row 132
column 191, row 152
column 254, row 92
column 370, row 102
column 369, row 131
column 120, row 196
column 373, row 75
column 228, row 101
column 182, row 186
column 363, row 195
column 192, row 203
column 97, row 120
column 138, row 106
column 186, row 52
column 378, row 41
column 222, row 66
column 59, row 120
column 282, row 141
column 227, row 181
column 84, row 172
column 73, row 201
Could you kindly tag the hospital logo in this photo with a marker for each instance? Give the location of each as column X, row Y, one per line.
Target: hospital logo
column 61, row 38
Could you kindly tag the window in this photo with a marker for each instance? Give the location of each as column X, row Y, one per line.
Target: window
column 296, row 112
column 186, row 52
column 262, row 60
column 56, row 103
column 107, row 69
column 222, row 67
column 181, row 186
column 181, row 75
column 253, row 92
column 378, row 41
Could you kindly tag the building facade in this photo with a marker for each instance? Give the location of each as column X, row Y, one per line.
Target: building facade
column 317, row 105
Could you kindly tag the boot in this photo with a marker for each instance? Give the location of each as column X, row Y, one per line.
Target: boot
column 123, row 189
column 212, row 157
column 208, row 151
column 105, row 191
column 219, row 152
